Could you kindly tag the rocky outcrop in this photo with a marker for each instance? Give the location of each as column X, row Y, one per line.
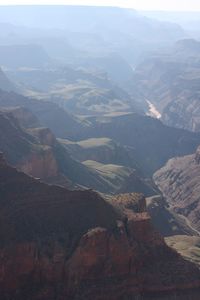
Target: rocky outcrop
column 30, row 153
column 57, row 244
column 40, row 164
column 44, row 136
column 178, row 181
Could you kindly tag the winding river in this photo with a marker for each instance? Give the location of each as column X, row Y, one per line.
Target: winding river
column 153, row 112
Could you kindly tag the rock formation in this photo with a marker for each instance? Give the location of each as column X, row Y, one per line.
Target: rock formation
column 170, row 80
column 58, row 244
column 178, row 181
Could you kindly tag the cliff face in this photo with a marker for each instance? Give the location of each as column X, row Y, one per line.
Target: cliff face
column 37, row 152
column 170, row 80
column 24, row 117
column 178, row 180
column 40, row 165
column 57, row 244
column 31, row 151
column 150, row 142
column 166, row 220
column 49, row 114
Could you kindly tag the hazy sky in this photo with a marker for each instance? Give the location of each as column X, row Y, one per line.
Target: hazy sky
column 176, row 5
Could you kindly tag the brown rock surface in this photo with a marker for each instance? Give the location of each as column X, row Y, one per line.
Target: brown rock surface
column 178, row 180
column 58, row 244
column 41, row 165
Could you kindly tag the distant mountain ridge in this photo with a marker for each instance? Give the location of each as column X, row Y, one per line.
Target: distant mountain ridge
column 89, row 30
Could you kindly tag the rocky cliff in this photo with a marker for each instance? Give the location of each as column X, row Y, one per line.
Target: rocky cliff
column 38, row 153
column 48, row 114
column 149, row 142
column 178, row 180
column 57, row 244
column 170, row 80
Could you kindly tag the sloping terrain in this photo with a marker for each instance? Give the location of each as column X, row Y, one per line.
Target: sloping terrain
column 114, row 175
column 79, row 90
column 103, row 150
column 170, row 80
column 93, row 102
column 166, row 220
column 178, row 181
column 187, row 246
column 66, row 242
column 153, row 142
column 147, row 141
column 114, row 162
column 49, row 114
column 36, row 152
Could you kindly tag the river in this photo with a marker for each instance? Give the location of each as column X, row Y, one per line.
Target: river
column 153, row 112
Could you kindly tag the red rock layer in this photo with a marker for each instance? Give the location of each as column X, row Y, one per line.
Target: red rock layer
column 57, row 244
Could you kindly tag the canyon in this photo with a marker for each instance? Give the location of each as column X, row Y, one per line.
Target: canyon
column 57, row 243
column 99, row 155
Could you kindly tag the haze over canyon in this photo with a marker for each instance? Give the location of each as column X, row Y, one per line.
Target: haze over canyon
column 99, row 154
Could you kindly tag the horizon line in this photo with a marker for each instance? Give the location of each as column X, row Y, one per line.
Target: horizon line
column 39, row 3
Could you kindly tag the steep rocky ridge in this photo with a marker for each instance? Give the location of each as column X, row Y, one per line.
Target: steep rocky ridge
column 166, row 220
column 36, row 152
column 153, row 142
column 76, row 245
column 147, row 142
column 137, row 183
column 103, row 150
column 178, row 181
column 49, row 114
column 112, row 157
